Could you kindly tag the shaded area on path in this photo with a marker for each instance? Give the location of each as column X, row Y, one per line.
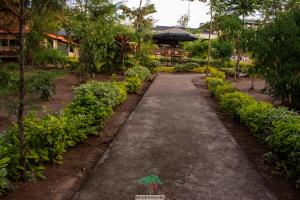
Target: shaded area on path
column 174, row 134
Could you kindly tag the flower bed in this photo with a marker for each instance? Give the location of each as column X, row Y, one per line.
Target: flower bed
column 277, row 127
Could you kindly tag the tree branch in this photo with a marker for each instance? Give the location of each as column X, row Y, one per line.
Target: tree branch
column 12, row 9
column 8, row 31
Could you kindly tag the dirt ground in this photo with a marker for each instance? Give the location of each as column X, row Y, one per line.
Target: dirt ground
column 283, row 188
column 63, row 94
column 63, row 180
column 244, row 84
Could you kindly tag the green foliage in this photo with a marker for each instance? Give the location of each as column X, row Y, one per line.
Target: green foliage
column 278, row 127
column 4, row 182
column 285, row 144
column 197, row 49
column 47, row 139
column 188, row 67
column 50, row 57
column 200, row 70
column 233, row 102
column 138, row 71
column 133, row 84
column 222, row 50
column 229, row 72
column 164, row 69
column 213, row 83
column 216, row 73
column 276, row 49
column 224, row 89
column 43, row 83
column 255, row 115
column 94, row 29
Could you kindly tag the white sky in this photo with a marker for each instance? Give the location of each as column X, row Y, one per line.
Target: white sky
column 169, row 11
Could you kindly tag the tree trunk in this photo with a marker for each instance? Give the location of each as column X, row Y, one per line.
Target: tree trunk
column 21, row 88
column 252, row 83
column 138, row 28
column 209, row 41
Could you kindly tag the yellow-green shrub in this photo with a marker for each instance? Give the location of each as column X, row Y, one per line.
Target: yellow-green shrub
column 213, row 83
column 233, row 102
column 200, row 70
column 164, row 69
column 224, row 89
column 133, row 84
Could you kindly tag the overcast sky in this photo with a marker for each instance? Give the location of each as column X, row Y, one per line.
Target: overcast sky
column 169, row 11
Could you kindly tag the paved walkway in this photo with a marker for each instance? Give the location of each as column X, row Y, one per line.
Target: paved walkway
column 174, row 134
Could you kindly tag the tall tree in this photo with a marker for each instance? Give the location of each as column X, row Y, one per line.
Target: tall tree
column 19, row 13
column 91, row 23
column 141, row 19
column 239, row 8
column 277, row 48
column 214, row 8
column 183, row 21
column 269, row 8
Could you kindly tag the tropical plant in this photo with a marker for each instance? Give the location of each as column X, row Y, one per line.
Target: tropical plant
column 141, row 72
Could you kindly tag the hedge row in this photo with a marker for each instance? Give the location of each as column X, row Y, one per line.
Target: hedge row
column 277, row 127
column 47, row 139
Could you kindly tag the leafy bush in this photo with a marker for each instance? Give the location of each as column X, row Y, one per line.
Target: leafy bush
column 164, row 69
column 278, row 127
column 229, row 72
column 224, row 89
column 141, row 72
column 188, row 67
column 52, row 57
column 47, row 139
column 233, row 102
column 200, row 70
column 254, row 116
column 216, row 73
column 285, row 144
column 133, row 84
column 213, row 83
column 191, row 65
column 43, row 83
column 4, row 182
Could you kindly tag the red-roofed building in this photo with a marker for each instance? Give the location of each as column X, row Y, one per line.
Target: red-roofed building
column 9, row 43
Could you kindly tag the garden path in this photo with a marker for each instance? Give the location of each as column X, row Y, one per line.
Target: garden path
column 174, row 134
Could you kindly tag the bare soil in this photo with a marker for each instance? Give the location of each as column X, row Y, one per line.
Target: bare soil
column 63, row 94
column 64, row 180
column 244, row 85
column 282, row 188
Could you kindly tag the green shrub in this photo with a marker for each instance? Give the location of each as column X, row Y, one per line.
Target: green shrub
column 182, row 68
column 133, row 84
column 4, row 182
column 213, row 83
column 43, row 83
column 216, row 73
column 51, row 57
column 233, row 102
column 47, row 139
column 229, row 72
column 254, row 116
column 164, row 69
column 106, row 92
column 224, row 89
column 200, row 70
column 142, row 72
column 244, row 67
column 285, row 144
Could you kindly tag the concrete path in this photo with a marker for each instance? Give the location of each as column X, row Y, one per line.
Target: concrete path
column 174, row 134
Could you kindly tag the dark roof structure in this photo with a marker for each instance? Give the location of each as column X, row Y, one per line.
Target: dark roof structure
column 173, row 36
